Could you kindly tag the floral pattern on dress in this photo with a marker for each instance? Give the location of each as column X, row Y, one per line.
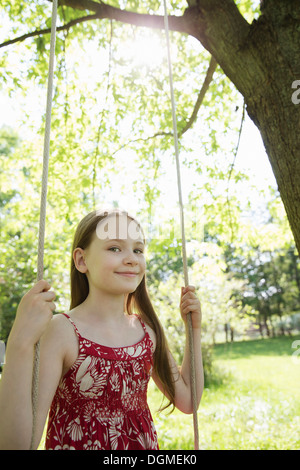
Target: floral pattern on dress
column 101, row 402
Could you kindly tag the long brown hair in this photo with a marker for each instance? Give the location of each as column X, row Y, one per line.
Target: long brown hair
column 136, row 302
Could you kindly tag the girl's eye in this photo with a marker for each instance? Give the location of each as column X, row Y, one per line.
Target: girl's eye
column 116, row 249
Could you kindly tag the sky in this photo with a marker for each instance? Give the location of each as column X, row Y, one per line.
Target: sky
column 252, row 155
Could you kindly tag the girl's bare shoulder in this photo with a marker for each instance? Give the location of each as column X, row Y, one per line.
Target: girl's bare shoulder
column 61, row 340
column 60, row 331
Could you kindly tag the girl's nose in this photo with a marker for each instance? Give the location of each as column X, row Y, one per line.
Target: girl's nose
column 131, row 259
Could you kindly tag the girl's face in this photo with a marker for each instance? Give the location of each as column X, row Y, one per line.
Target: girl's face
column 114, row 261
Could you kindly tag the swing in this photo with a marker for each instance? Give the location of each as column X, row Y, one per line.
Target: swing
column 42, row 222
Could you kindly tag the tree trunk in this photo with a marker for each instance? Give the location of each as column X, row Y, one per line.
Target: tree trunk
column 266, row 325
column 294, row 267
column 226, row 332
column 261, row 329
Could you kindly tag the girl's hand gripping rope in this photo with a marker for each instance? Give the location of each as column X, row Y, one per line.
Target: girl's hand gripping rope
column 34, row 313
column 189, row 303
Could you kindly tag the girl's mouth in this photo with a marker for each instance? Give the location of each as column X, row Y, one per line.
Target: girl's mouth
column 127, row 274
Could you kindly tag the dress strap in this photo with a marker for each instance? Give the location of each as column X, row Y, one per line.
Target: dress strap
column 71, row 321
column 142, row 323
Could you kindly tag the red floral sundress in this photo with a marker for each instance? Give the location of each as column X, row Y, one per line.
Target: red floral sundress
column 101, row 402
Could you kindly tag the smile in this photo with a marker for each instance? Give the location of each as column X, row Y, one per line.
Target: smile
column 127, row 274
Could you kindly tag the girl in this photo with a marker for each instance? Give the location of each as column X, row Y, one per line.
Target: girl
column 95, row 361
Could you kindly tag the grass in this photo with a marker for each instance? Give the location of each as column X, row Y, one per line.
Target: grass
column 253, row 402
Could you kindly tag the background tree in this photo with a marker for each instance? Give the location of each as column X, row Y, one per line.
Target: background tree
column 266, row 260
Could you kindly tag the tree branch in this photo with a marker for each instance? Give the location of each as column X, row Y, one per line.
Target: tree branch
column 209, row 75
column 215, row 20
column 208, row 78
column 104, row 11
column 41, row 32
column 225, row 33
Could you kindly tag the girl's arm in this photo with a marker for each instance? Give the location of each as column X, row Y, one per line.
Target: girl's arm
column 33, row 317
column 190, row 303
column 183, row 391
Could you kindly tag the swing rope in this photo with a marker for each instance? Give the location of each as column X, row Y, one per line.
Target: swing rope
column 43, row 204
column 42, row 222
column 184, row 256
